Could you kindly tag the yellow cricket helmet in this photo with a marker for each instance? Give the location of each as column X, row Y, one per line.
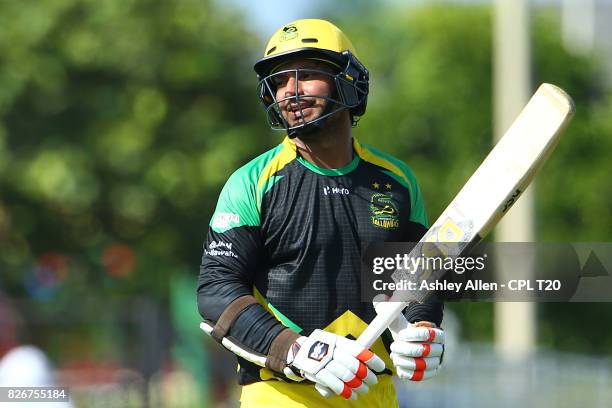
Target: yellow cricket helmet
column 307, row 37
column 320, row 40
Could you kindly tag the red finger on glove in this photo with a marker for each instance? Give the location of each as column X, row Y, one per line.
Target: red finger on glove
column 362, row 371
column 419, row 375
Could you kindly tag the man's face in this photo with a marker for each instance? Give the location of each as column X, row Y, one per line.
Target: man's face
column 298, row 111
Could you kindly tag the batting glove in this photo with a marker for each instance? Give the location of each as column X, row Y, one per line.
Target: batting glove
column 417, row 349
column 335, row 364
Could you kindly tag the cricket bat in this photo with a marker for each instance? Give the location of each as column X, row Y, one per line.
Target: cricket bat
column 490, row 192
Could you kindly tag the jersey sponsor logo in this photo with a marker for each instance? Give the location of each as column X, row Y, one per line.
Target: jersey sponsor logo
column 220, row 248
column 384, row 211
column 327, row 190
column 318, row 351
column 224, row 220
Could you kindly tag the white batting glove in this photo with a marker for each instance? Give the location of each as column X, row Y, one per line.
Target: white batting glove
column 334, row 363
column 417, row 349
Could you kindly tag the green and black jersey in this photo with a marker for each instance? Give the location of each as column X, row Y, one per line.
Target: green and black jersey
column 290, row 234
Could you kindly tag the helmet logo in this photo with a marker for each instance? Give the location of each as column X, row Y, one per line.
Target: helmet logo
column 289, row 32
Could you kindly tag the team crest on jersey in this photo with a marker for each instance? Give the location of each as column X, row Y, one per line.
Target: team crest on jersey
column 384, row 211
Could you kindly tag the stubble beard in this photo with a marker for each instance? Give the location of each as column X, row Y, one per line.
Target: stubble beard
column 320, row 132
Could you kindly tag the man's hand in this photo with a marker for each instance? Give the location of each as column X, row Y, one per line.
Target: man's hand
column 417, row 348
column 334, row 363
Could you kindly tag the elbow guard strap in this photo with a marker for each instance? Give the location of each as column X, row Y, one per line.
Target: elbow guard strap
column 277, row 356
column 224, row 323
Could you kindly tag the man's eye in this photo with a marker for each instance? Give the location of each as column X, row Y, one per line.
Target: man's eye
column 280, row 82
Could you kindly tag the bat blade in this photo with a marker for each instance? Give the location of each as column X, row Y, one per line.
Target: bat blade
column 493, row 188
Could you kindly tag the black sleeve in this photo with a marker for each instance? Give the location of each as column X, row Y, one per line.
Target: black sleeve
column 431, row 311
column 231, row 255
column 226, row 274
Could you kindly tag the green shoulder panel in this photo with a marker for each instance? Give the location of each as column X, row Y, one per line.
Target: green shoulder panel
column 240, row 199
column 401, row 172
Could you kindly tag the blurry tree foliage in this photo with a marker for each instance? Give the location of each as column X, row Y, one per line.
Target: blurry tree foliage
column 119, row 122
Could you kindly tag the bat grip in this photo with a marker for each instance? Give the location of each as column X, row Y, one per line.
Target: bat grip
column 386, row 313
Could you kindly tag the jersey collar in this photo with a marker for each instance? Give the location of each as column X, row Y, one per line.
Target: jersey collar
column 323, row 171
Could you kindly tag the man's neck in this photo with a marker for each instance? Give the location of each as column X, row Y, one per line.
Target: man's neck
column 329, row 148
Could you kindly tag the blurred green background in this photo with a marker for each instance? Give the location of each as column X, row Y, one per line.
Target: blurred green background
column 120, row 121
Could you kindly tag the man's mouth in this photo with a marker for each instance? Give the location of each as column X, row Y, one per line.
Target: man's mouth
column 300, row 113
column 296, row 107
column 299, row 110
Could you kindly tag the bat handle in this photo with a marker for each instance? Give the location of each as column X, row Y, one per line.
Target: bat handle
column 386, row 313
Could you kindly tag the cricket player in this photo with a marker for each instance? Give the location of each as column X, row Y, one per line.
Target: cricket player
column 279, row 282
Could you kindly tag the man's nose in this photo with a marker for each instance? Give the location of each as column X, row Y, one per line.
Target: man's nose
column 293, row 86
